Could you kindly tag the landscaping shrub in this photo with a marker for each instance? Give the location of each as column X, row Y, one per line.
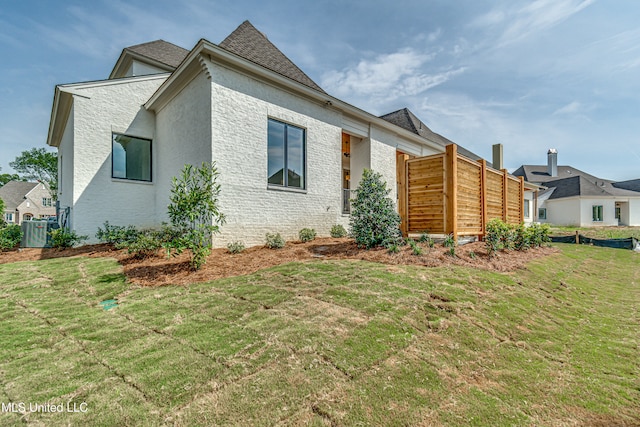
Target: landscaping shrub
column 415, row 249
column 538, row 235
column 116, row 234
column 194, row 211
column 338, row 231
column 235, row 247
column 146, row 244
column 449, row 241
column 274, row 241
column 425, row 238
column 307, row 234
column 10, row 237
column 374, row 220
column 502, row 236
column 62, row 238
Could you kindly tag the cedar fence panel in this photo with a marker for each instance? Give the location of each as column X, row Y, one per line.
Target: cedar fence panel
column 449, row 193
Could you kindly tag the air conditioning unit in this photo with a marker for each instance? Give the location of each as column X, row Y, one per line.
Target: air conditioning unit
column 35, row 233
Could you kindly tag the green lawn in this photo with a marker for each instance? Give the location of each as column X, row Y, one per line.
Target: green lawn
column 327, row 343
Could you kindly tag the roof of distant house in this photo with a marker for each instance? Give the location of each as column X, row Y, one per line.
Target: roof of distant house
column 539, row 173
column 249, row 43
column 409, row 121
column 14, row 192
column 571, row 182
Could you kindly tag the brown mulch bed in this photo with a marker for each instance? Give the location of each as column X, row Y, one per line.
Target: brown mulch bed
column 158, row 270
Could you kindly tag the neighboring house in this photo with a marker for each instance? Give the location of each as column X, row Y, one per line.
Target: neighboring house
column 573, row 197
column 287, row 152
column 26, row 200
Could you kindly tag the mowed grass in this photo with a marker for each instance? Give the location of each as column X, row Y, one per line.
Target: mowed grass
column 327, row 343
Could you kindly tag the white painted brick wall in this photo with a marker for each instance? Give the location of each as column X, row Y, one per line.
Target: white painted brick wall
column 241, row 107
column 115, row 107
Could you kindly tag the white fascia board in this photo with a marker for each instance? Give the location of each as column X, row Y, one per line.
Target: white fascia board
column 176, row 82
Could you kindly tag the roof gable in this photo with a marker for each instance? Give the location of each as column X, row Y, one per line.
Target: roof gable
column 14, row 192
column 159, row 54
column 249, row 43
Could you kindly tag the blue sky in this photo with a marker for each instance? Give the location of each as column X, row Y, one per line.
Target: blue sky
column 531, row 75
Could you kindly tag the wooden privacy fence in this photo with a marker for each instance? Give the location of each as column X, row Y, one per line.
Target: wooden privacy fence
column 451, row 194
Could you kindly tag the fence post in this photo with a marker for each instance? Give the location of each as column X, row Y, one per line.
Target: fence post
column 505, row 195
column 451, row 171
column 521, row 202
column 403, row 191
column 483, row 196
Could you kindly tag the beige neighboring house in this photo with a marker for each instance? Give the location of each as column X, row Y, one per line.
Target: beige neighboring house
column 26, row 200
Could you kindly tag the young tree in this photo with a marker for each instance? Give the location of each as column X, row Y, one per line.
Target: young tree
column 374, row 220
column 40, row 165
column 194, row 210
column 2, row 223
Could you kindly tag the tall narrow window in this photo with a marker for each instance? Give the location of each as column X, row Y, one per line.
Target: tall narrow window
column 597, row 213
column 526, row 208
column 286, row 155
column 131, row 158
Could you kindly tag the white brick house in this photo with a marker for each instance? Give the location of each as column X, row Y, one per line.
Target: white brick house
column 242, row 104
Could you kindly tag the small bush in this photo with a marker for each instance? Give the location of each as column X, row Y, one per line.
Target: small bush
column 538, row 235
column 307, row 234
column 145, row 245
column 452, row 251
column 415, row 249
column 274, row 241
column 338, row 231
column 449, row 241
column 235, row 247
column 521, row 238
column 393, row 248
column 62, row 238
column 10, row 237
column 472, row 255
column 116, row 234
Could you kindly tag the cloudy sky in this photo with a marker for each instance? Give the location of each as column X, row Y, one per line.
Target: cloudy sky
column 531, row 75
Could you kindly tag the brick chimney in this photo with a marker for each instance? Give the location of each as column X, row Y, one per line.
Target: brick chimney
column 552, row 162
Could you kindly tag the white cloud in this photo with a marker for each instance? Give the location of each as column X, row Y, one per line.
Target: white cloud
column 572, row 108
column 387, row 76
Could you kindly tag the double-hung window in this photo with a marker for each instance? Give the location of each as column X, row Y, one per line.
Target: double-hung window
column 131, row 158
column 286, row 155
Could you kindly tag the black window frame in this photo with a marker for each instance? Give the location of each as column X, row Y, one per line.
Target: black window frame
column 285, row 169
column 113, row 141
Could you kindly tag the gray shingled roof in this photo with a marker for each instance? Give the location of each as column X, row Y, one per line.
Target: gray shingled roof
column 249, row 43
column 409, row 121
column 581, row 186
column 539, row 174
column 633, row 185
column 13, row 193
column 160, row 51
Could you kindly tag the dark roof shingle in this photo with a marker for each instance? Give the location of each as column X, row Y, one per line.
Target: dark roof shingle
column 405, row 119
column 161, row 51
column 249, row 43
